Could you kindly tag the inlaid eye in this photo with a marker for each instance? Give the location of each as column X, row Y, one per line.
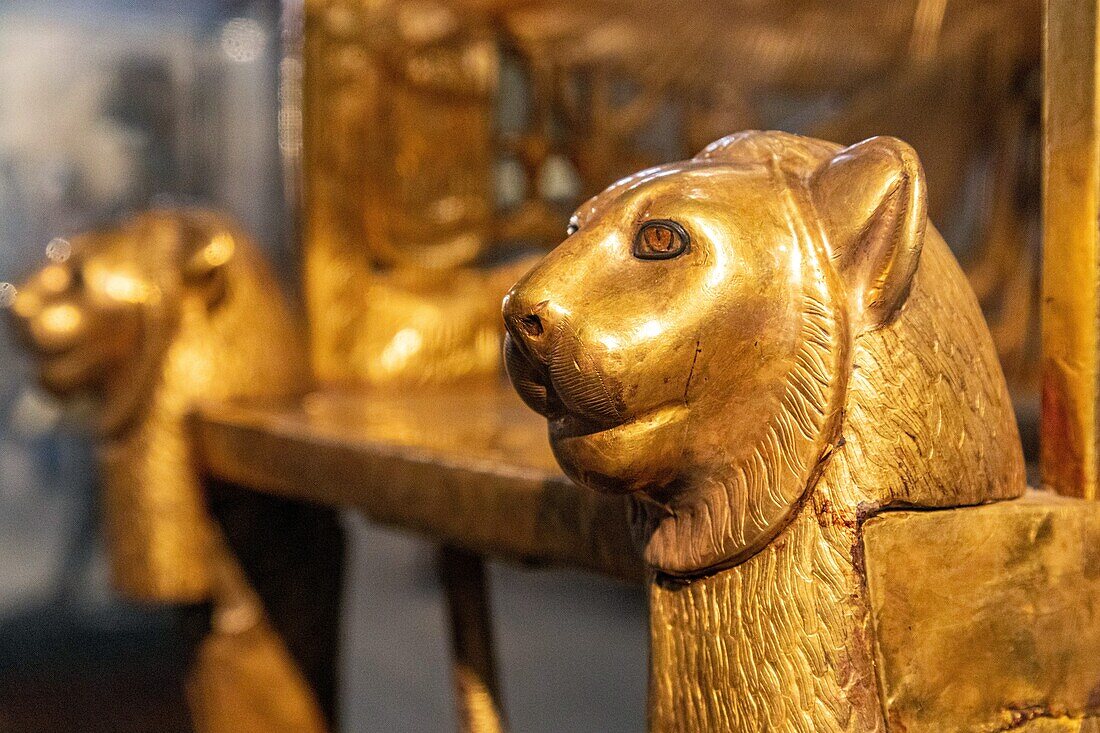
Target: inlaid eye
column 572, row 227
column 660, row 239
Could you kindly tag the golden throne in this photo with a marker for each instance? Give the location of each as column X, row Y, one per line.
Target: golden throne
column 427, row 190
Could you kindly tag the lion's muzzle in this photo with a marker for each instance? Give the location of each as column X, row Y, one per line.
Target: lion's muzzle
column 552, row 368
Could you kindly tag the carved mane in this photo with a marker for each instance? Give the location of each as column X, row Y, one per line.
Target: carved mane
column 907, row 378
column 787, row 457
column 867, row 420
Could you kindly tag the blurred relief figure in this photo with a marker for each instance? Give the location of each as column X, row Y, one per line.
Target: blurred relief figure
column 108, row 106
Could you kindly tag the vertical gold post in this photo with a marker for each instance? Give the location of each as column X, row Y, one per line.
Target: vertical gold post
column 476, row 690
column 1071, row 241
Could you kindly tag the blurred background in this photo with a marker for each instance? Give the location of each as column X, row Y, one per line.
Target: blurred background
column 105, row 108
column 111, row 106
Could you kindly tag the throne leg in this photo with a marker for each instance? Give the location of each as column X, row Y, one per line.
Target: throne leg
column 477, row 691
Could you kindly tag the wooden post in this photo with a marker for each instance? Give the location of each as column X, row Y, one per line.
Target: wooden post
column 477, row 692
column 1071, row 254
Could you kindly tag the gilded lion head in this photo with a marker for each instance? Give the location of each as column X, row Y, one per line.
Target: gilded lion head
column 716, row 335
column 175, row 301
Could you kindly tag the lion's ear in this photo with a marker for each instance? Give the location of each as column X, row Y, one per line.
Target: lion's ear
column 872, row 201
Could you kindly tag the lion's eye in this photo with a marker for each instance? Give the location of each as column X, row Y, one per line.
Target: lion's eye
column 660, row 239
column 572, row 227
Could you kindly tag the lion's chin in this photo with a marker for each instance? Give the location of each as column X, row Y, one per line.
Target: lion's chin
column 637, row 455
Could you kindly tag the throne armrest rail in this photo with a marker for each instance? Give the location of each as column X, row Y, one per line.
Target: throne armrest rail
column 470, row 467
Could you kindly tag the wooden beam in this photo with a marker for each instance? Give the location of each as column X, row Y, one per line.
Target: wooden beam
column 1071, row 241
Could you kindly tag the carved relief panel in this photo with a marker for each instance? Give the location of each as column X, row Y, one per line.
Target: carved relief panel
column 442, row 136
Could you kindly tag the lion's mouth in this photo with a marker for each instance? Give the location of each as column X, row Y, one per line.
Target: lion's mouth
column 531, row 380
column 568, row 390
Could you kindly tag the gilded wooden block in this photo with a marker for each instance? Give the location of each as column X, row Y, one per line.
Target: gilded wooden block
column 987, row 618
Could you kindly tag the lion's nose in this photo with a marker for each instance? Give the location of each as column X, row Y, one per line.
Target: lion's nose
column 529, row 324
